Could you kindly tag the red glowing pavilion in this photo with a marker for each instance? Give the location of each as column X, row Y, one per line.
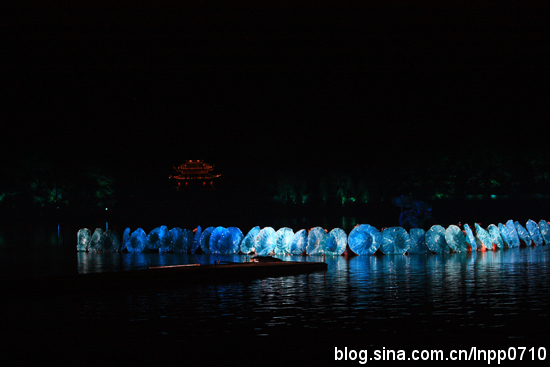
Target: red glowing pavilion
column 194, row 171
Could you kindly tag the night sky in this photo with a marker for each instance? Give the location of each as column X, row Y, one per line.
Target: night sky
column 270, row 86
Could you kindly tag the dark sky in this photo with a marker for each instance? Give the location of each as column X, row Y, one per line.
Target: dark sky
column 279, row 85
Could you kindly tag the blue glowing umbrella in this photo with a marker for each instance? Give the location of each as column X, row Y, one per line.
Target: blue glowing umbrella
column 395, row 240
column 496, row 237
column 265, row 241
column 218, row 243
column 225, row 241
column 109, row 241
column 283, row 241
column 137, row 241
column 504, row 235
column 545, row 231
column 299, row 242
column 159, row 239
column 181, row 239
column 534, row 232
column 470, row 238
column 364, row 240
column 334, row 243
column 100, row 241
column 205, row 240
column 235, row 237
column 523, row 234
column 125, row 237
column 484, row 237
column 248, row 244
column 512, row 234
column 314, row 238
column 196, row 240
column 418, row 241
column 84, row 237
column 456, row 239
column 95, row 244
column 435, row 240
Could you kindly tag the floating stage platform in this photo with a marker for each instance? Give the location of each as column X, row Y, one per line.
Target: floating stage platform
column 159, row 277
column 231, row 271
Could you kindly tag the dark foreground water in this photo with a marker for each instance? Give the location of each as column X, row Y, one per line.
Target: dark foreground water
column 493, row 300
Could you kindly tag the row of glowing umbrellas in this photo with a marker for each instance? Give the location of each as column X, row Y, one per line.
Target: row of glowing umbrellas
column 364, row 239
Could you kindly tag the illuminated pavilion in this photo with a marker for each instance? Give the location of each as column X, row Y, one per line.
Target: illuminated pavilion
column 194, row 172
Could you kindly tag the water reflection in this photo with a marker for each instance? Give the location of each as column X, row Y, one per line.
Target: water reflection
column 434, row 296
column 483, row 292
column 368, row 288
column 89, row 262
column 353, row 293
column 435, row 301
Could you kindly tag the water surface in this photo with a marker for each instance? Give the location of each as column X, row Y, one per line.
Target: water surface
column 492, row 299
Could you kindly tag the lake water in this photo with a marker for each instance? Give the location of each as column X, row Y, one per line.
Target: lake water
column 485, row 300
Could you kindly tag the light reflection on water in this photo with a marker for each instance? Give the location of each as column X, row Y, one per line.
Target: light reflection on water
column 463, row 287
column 483, row 291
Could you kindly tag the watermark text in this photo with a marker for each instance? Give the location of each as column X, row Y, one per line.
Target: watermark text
column 473, row 354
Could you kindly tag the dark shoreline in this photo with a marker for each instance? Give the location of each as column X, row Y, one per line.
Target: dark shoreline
column 246, row 215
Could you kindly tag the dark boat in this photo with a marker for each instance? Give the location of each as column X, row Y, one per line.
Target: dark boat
column 163, row 276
